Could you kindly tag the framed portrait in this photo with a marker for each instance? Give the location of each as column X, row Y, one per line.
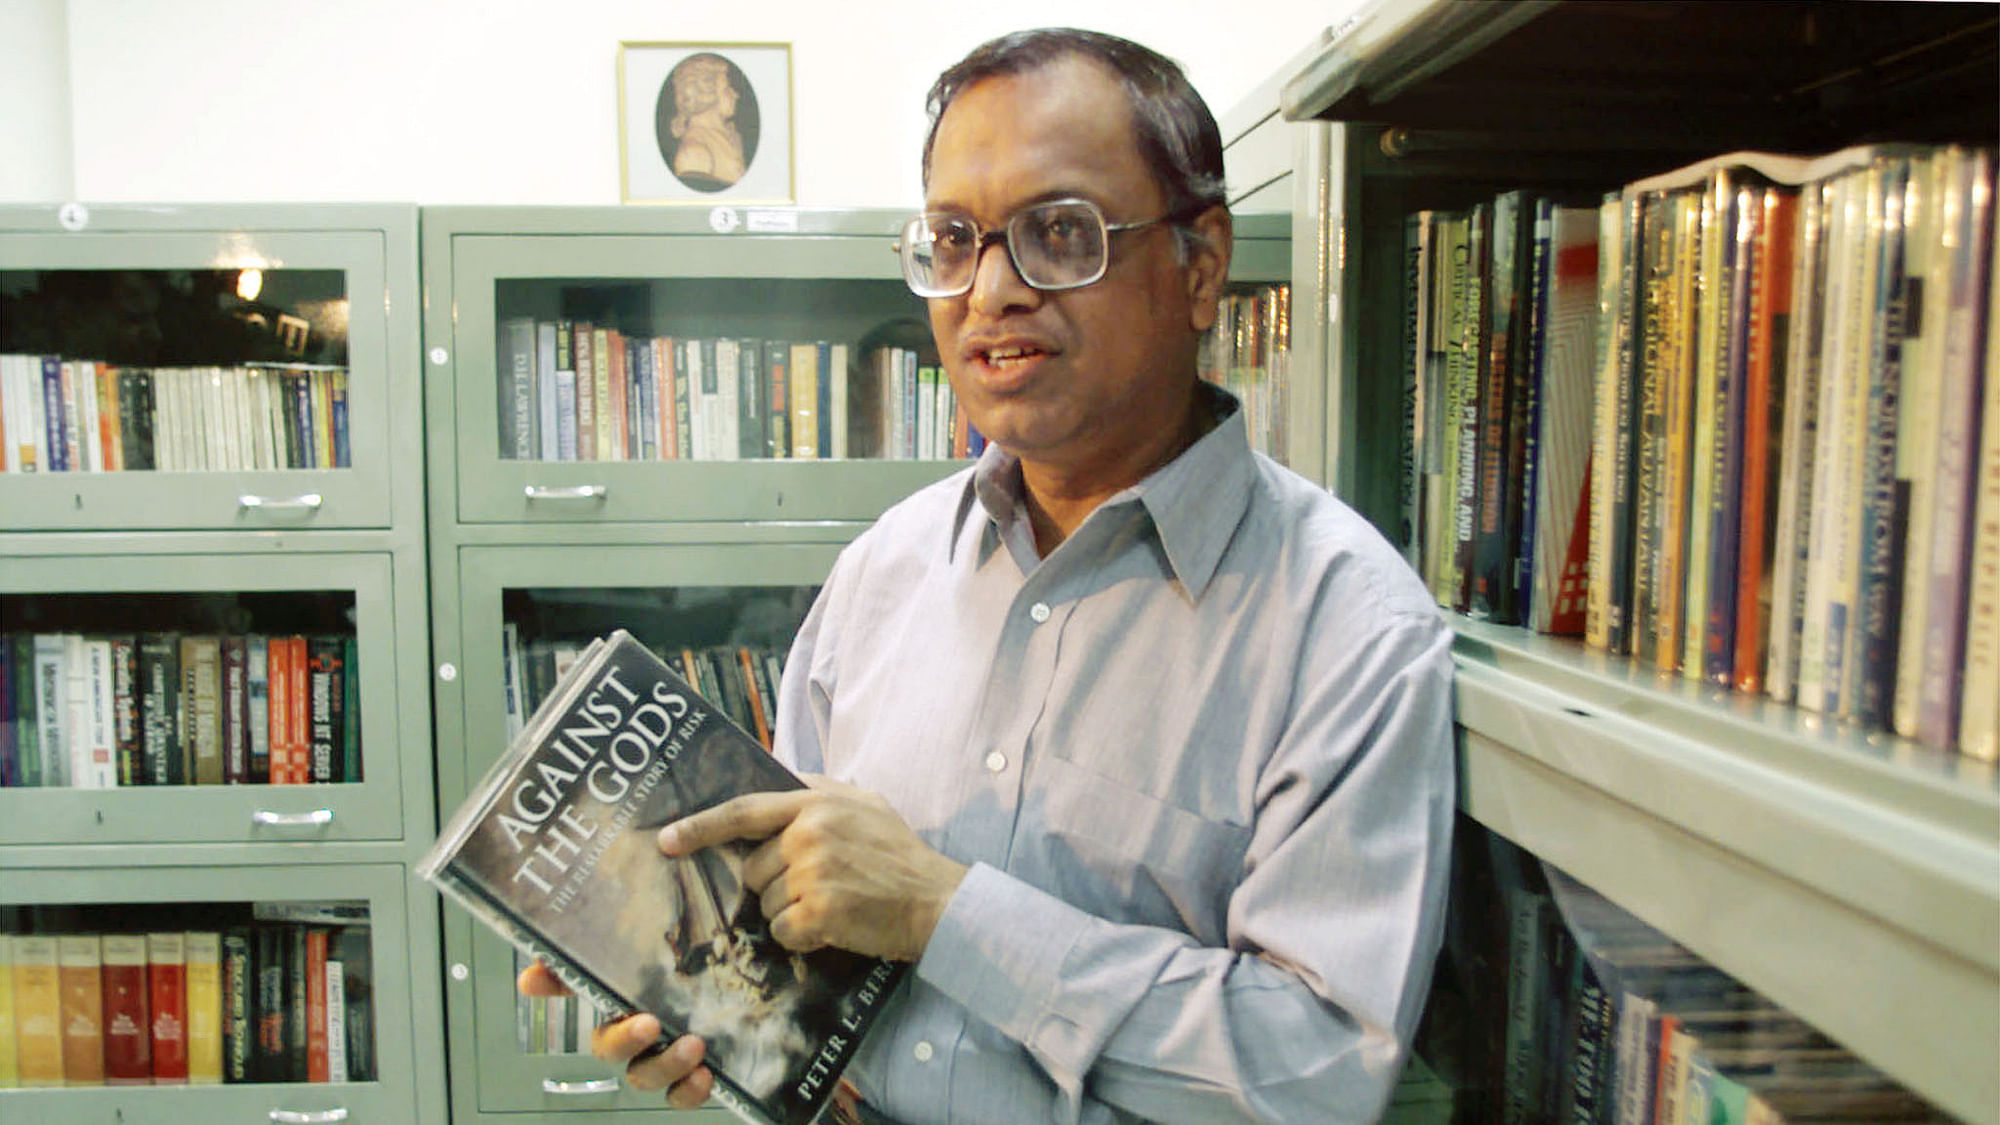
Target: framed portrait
column 705, row 122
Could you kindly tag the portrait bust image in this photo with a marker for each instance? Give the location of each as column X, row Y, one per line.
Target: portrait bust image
column 706, row 122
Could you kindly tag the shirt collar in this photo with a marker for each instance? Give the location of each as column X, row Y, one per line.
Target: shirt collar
column 1194, row 502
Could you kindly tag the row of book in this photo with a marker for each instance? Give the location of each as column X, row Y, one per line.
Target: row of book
column 1609, row 1022
column 576, row 391
column 95, row 711
column 1735, row 421
column 60, row 414
column 740, row 681
column 270, row 1002
column 1249, row 354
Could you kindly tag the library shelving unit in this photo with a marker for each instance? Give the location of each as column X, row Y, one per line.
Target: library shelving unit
column 1851, row 877
column 224, row 337
column 531, row 556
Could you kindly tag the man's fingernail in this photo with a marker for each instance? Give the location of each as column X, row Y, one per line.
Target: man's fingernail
column 670, row 840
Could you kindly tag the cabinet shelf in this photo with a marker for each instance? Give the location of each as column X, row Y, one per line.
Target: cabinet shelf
column 1852, row 877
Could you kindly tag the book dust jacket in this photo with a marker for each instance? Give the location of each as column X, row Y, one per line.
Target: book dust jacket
column 555, row 850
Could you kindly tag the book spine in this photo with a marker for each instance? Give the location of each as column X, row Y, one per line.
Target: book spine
column 201, row 671
column 1966, row 232
column 1707, row 340
column 317, row 1064
column 1919, row 432
column 238, row 995
column 270, row 1008
column 79, row 961
column 203, row 950
column 1717, row 659
column 10, row 1066
column 1765, row 390
column 547, row 430
column 516, row 394
column 1468, row 349
column 1979, row 717
column 586, row 391
column 1885, row 499
column 1791, row 538
column 38, row 1010
column 166, row 976
column 128, row 1036
column 323, row 672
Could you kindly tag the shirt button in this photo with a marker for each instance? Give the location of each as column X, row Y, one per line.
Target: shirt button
column 923, row 1052
column 1039, row 611
column 995, row 762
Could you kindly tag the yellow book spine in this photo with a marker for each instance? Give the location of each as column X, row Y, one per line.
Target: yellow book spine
column 10, row 1068
column 38, row 1011
column 204, row 1008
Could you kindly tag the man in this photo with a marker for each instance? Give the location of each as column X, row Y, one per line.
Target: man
column 1161, row 730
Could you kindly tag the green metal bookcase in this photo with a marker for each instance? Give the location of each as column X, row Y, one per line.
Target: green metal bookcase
column 1852, row 877
column 352, row 537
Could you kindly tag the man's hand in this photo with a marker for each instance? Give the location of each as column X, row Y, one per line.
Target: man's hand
column 678, row 1069
column 837, row 867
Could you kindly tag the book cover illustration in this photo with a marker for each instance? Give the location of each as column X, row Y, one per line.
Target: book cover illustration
column 555, row 850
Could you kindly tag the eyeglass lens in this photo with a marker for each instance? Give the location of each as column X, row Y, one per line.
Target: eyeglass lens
column 1056, row 245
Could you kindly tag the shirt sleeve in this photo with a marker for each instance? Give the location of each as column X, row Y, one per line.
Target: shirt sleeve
column 1332, row 931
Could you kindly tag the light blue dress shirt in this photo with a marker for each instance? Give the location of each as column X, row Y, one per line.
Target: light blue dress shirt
column 1199, row 759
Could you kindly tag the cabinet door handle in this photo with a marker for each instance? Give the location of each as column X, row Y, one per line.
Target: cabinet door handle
column 573, row 492
column 309, row 1117
column 276, row 819
column 573, row 1089
column 309, row 501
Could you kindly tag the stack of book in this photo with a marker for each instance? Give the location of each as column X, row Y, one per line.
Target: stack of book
column 284, row 997
column 740, row 681
column 63, row 414
column 1610, row 1021
column 1734, row 421
column 94, row 711
column 1249, row 354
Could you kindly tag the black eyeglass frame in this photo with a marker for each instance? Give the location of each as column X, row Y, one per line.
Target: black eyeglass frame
column 905, row 245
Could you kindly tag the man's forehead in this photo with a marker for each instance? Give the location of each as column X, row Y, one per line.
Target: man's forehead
column 1062, row 128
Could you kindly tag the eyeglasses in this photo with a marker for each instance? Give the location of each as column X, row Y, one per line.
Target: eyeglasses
column 1061, row 244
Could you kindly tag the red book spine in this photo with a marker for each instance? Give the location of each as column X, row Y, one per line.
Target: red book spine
column 128, row 1032
column 300, row 720
column 316, row 1029
column 278, row 716
column 166, row 971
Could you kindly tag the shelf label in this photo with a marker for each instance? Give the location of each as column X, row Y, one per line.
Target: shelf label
column 774, row 222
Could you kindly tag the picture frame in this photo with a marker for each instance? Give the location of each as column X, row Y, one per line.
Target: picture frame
column 705, row 123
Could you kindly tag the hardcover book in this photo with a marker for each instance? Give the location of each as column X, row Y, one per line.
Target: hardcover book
column 555, row 850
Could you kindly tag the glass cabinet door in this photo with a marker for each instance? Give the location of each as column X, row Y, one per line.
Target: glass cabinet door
column 724, row 614
column 184, row 379
column 612, row 368
column 256, row 993
column 692, row 373
column 195, row 698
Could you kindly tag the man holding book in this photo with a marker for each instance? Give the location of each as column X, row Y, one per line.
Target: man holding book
column 1134, row 743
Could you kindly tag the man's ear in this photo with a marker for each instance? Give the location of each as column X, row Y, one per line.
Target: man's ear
column 1208, row 265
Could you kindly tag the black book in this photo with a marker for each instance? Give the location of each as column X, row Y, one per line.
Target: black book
column 161, row 760
column 555, row 850
column 324, row 679
column 349, row 947
column 297, row 981
column 268, row 1063
column 239, row 996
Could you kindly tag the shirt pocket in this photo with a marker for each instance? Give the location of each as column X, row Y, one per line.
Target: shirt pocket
column 1125, row 855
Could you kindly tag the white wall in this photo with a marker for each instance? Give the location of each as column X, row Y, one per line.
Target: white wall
column 507, row 101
